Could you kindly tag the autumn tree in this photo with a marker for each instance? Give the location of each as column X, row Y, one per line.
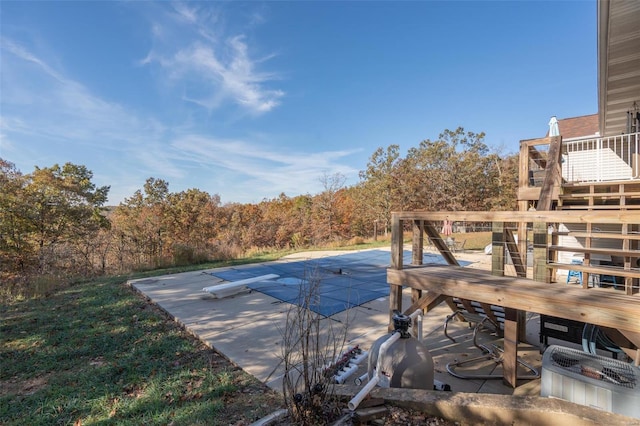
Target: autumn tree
column 302, row 227
column 191, row 224
column 326, row 205
column 16, row 247
column 140, row 224
column 453, row 172
column 49, row 216
column 379, row 188
column 53, row 221
column 286, row 221
column 505, row 194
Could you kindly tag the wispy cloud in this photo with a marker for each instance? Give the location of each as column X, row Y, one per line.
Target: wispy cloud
column 20, row 52
column 48, row 88
column 210, row 67
column 49, row 117
column 264, row 167
column 189, row 14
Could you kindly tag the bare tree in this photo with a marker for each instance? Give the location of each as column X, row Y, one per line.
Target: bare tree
column 326, row 202
column 308, row 352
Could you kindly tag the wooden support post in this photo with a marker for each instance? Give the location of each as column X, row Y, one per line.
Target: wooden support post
column 523, row 175
column 416, row 294
column 552, row 256
column 500, row 236
column 628, row 281
column 510, row 361
column 417, row 245
column 397, row 247
column 587, row 256
column 521, row 271
column 395, row 302
column 523, row 235
column 634, row 245
column 396, row 242
column 523, row 245
column 497, row 249
column 540, row 252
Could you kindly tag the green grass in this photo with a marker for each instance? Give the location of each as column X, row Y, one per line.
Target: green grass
column 98, row 353
column 474, row 240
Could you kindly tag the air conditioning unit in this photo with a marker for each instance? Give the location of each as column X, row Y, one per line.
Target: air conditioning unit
column 595, row 381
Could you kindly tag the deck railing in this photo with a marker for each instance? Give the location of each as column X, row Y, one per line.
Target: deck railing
column 601, row 159
column 607, row 242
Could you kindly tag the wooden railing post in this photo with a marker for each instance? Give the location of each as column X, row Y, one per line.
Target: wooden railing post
column 512, row 323
column 417, row 253
column 540, row 252
column 497, row 249
column 417, row 240
column 396, row 242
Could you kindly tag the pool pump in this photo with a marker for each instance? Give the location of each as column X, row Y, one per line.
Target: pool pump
column 406, row 362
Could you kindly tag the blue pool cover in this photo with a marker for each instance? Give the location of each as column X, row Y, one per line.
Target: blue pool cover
column 328, row 285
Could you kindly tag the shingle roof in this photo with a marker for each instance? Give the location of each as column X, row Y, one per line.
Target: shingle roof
column 575, row 127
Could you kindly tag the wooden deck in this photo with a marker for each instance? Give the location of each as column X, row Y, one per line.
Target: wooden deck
column 605, row 307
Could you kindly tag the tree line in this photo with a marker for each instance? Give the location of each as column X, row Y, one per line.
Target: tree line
column 54, row 222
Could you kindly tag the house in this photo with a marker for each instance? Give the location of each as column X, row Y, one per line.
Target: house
column 578, row 194
column 606, row 149
column 598, row 157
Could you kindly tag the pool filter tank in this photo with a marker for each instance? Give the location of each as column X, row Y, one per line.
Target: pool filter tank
column 406, row 363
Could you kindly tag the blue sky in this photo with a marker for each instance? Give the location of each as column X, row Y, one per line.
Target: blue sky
column 252, row 99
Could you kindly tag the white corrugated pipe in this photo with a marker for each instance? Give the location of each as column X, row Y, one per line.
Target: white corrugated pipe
column 356, row 400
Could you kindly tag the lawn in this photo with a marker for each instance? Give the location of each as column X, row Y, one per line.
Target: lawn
column 99, row 353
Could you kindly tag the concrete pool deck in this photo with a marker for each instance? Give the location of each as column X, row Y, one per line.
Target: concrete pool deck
column 247, row 328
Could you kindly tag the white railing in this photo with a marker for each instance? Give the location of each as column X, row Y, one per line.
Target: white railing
column 600, row 159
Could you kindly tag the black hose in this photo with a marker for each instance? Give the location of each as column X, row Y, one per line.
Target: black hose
column 592, row 336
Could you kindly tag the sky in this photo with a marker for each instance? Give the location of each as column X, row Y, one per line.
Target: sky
column 249, row 100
